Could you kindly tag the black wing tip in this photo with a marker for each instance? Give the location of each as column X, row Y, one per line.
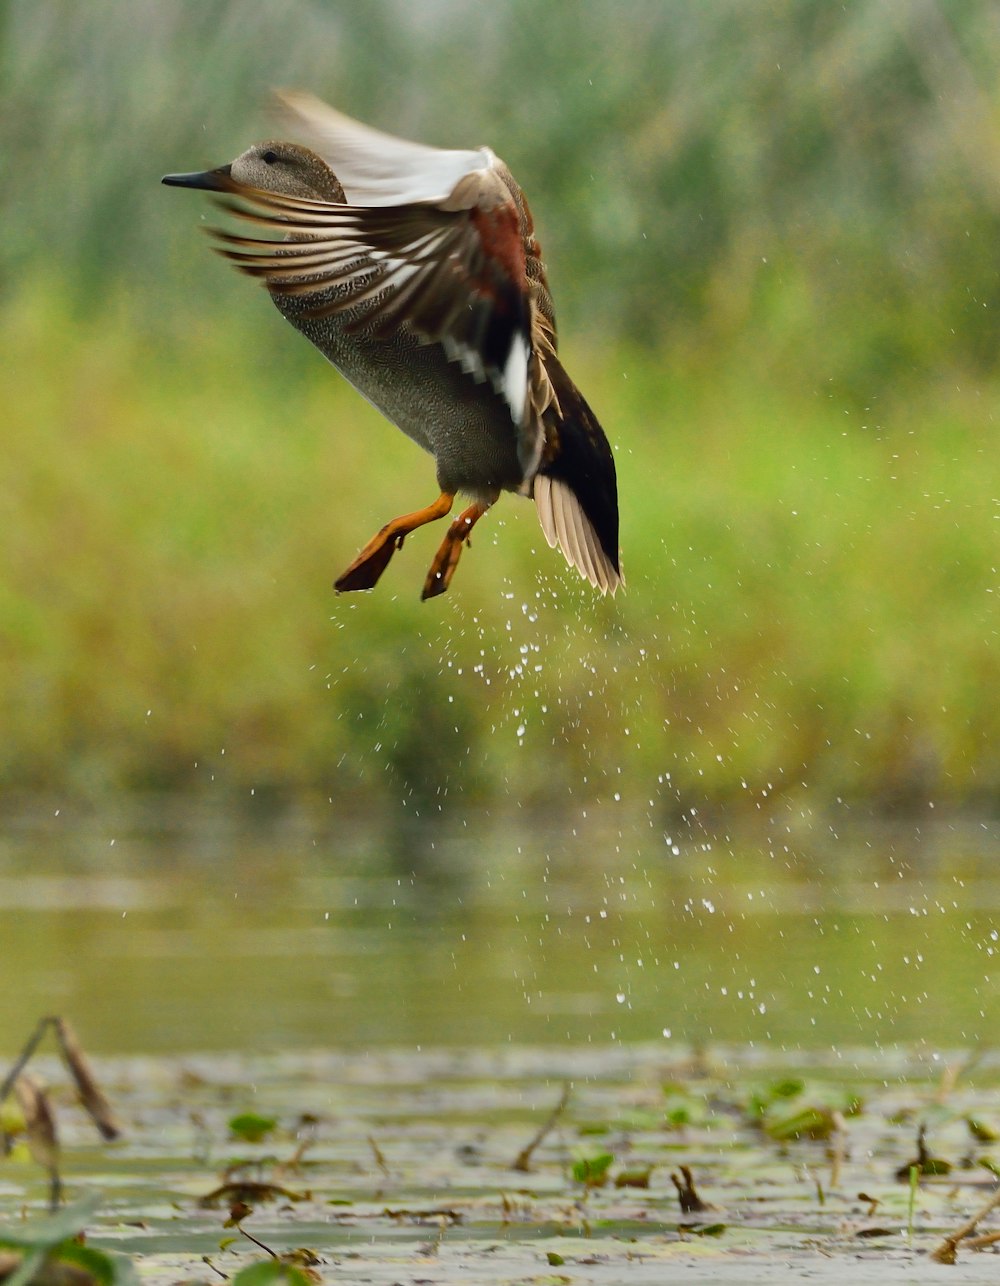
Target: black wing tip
column 583, row 460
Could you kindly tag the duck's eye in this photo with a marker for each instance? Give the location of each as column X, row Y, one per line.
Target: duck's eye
column 269, row 157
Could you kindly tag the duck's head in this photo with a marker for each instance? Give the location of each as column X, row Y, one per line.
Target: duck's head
column 285, row 168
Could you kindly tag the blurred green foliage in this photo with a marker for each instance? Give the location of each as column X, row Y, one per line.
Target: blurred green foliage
column 819, row 183
column 771, row 231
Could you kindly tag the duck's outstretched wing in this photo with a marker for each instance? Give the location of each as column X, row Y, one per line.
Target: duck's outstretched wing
column 454, row 271
column 376, row 168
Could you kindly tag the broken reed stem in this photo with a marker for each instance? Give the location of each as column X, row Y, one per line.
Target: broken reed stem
column 945, row 1253
column 687, row 1194
column 40, row 1131
column 839, row 1149
column 380, row 1160
column 951, row 1073
column 34, row 1040
column 522, row 1161
column 94, row 1102
column 250, row 1237
column 912, row 1203
column 985, row 1239
column 97, row 1106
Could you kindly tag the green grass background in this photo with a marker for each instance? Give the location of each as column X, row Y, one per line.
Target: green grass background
column 772, row 237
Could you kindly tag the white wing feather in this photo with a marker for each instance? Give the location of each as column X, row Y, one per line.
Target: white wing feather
column 564, row 524
column 377, row 168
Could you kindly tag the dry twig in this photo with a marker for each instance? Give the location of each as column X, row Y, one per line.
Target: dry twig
column 522, row 1161
column 40, row 1131
column 78, row 1065
column 838, row 1150
column 687, row 1193
column 946, row 1252
column 97, row 1106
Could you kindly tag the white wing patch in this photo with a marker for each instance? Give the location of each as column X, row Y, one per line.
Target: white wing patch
column 376, row 168
column 515, row 378
column 419, row 260
column 429, row 268
column 565, row 524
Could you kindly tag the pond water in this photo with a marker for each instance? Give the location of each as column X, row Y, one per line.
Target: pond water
column 158, row 930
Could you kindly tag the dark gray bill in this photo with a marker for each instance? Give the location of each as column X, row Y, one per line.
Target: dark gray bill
column 209, row 180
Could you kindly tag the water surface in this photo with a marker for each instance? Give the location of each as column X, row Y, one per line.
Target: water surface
column 175, row 929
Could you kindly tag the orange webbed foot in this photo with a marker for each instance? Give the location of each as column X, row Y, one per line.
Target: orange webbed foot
column 446, row 559
column 369, row 565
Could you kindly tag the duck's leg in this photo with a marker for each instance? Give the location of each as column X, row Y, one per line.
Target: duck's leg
column 374, row 558
column 446, row 558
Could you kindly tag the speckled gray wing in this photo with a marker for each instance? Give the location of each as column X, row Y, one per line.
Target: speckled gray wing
column 454, row 273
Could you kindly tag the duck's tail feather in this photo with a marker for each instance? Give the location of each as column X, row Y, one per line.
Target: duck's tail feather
column 576, row 489
column 565, row 524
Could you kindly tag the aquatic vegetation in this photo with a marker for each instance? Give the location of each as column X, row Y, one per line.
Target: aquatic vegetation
column 445, row 1193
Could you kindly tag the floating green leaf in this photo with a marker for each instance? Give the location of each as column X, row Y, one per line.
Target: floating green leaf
column 789, row 1087
column 272, row 1272
column 53, row 1240
column 593, row 1171
column 810, row 1123
column 980, row 1131
column 250, row 1127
